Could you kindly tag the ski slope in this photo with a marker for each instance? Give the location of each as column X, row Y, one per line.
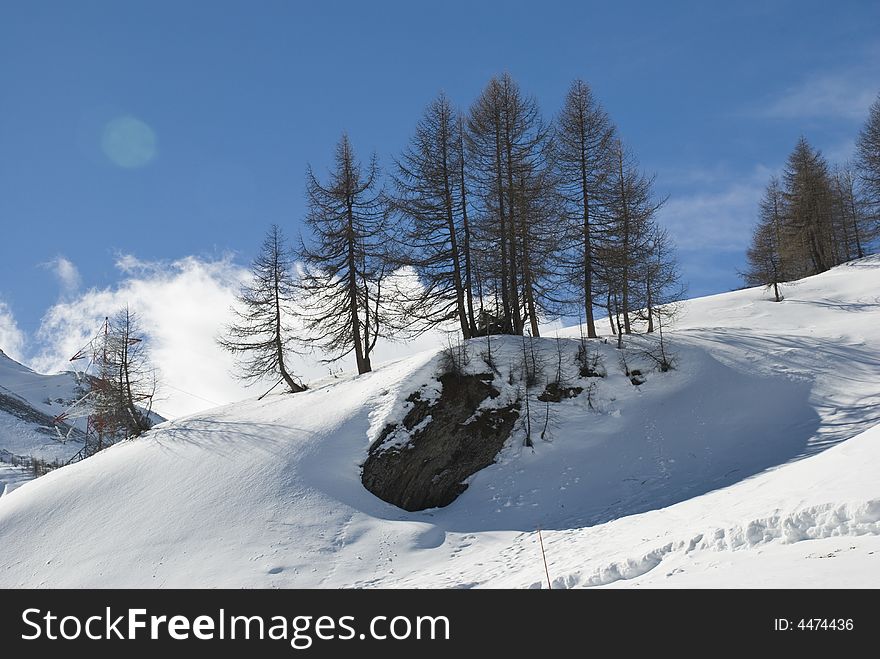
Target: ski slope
column 752, row 464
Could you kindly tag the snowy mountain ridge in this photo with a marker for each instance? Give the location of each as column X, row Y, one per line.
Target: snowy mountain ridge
column 753, row 463
column 30, row 428
column 29, row 404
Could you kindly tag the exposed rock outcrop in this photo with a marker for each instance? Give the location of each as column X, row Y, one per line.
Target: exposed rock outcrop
column 424, row 461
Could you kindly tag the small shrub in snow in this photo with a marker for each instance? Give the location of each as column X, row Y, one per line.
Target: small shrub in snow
column 454, row 358
column 589, row 362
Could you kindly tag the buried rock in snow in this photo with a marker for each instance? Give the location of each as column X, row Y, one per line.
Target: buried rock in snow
column 422, row 462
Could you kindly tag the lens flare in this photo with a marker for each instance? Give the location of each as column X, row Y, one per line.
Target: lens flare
column 128, row 142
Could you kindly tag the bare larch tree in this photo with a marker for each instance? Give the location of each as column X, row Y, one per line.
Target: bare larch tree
column 583, row 140
column 346, row 260
column 632, row 208
column 136, row 378
column 507, row 141
column 868, row 157
column 764, row 255
column 261, row 335
column 808, row 246
column 431, row 201
column 122, row 389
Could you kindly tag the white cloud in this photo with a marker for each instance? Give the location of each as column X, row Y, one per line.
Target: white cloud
column 183, row 305
column 718, row 220
column 130, row 264
column 845, row 96
column 66, row 273
column 12, row 339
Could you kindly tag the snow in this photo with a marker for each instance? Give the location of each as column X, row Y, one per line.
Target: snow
column 36, row 399
column 12, row 477
column 45, row 393
column 753, row 463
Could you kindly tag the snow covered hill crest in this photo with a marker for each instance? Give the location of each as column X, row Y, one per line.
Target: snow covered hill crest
column 752, row 463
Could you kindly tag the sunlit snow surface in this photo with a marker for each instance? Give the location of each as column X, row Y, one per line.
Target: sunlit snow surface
column 754, row 463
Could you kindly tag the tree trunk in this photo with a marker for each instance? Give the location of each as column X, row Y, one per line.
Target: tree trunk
column 855, row 220
column 366, row 337
column 588, row 247
column 453, row 241
column 128, row 396
column 514, row 287
column 625, row 256
column 468, row 268
column 528, row 292
column 362, row 365
column 619, row 330
column 610, row 314
column 279, row 344
column 499, row 180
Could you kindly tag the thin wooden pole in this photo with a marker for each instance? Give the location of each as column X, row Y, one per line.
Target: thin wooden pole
column 544, row 556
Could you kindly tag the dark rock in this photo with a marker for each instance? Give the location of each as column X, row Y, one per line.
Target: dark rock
column 555, row 393
column 428, row 470
column 636, row 377
column 587, row 371
column 44, row 423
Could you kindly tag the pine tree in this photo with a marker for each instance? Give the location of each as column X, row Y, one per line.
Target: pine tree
column 261, row 335
column 346, row 261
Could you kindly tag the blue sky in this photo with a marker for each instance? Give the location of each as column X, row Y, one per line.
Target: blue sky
column 166, row 130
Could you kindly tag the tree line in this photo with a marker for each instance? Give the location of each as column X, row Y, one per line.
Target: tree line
column 817, row 216
column 490, row 221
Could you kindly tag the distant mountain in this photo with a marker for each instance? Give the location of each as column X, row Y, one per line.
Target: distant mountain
column 29, row 405
column 29, row 402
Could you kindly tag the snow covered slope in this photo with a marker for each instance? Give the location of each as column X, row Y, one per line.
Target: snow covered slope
column 752, row 464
